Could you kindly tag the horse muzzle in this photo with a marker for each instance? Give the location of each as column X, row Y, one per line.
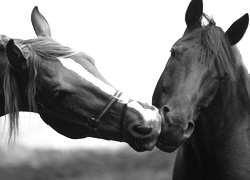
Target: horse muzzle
column 143, row 126
column 176, row 129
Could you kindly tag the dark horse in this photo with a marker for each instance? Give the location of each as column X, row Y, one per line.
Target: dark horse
column 66, row 89
column 203, row 96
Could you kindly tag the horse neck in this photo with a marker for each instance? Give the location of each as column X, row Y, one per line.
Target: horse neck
column 220, row 143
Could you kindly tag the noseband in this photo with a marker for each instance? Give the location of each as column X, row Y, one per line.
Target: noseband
column 90, row 122
column 94, row 122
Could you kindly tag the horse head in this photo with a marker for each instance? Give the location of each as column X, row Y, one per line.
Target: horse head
column 69, row 93
column 200, row 62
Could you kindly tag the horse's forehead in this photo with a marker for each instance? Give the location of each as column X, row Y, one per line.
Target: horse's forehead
column 186, row 42
column 70, row 64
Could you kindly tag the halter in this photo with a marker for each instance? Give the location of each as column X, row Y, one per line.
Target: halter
column 90, row 122
column 94, row 122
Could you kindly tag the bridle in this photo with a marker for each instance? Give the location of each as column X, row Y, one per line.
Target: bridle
column 93, row 122
column 90, row 122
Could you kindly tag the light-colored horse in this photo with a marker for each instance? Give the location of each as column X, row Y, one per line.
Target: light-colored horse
column 66, row 89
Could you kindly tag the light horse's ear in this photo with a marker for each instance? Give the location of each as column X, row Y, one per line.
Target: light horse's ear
column 237, row 30
column 15, row 56
column 40, row 24
column 194, row 13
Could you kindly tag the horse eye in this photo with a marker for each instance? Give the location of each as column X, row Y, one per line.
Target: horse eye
column 60, row 94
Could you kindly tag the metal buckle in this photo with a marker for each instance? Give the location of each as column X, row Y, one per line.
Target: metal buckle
column 93, row 123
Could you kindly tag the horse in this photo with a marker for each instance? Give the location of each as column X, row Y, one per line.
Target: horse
column 203, row 98
column 68, row 92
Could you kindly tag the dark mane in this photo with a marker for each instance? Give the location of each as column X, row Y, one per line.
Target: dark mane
column 34, row 50
column 216, row 49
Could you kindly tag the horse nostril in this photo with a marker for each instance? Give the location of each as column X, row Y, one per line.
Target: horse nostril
column 189, row 130
column 142, row 130
column 165, row 109
column 165, row 115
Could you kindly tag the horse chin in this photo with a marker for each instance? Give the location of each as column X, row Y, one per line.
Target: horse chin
column 169, row 141
column 142, row 144
column 163, row 146
column 143, row 147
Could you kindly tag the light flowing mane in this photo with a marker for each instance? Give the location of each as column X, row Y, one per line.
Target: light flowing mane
column 34, row 50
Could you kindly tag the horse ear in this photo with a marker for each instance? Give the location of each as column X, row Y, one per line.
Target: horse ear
column 40, row 24
column 194, row 13
column 237, row 30
column 15, row 56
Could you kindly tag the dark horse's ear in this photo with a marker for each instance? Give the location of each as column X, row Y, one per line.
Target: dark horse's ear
column 40, row 24
column 194, row 13
column 15, row 56
column 237, row 30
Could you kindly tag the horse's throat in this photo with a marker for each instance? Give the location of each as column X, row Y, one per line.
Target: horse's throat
column 221, row 138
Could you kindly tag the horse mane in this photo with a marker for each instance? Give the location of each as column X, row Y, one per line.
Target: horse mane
column 216, row 49
column 34, row 50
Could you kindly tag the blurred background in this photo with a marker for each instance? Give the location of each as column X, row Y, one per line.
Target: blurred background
column 130, row 42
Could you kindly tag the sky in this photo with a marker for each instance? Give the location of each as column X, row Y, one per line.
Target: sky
column 129, row 40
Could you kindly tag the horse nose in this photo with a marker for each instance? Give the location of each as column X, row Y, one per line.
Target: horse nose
column 173, row 120
column 189, row 130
